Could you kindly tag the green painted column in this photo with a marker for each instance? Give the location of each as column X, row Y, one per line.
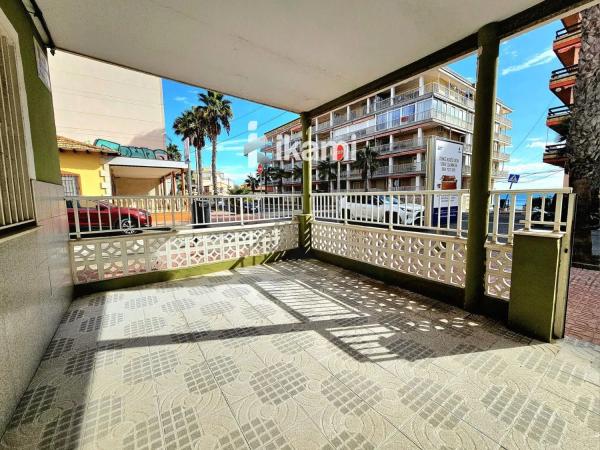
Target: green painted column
column 305, row 217
column 481, row 163
column 306, row 165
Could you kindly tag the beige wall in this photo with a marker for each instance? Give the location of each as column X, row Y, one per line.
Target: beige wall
column 136, row 186
column 98, row 100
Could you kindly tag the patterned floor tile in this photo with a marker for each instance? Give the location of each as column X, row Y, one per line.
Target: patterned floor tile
column 300, row 354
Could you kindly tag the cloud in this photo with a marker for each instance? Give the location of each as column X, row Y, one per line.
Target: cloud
column 181, row 98
column 536, row 143
column 538, row 59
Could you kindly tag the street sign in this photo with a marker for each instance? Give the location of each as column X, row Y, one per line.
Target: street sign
column 513, row 177
column 340, row 150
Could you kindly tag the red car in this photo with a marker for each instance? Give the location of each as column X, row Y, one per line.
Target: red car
column 104, row 216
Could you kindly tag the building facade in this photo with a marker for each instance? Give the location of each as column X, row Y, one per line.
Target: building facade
column 401, row 124
column 566, row 46
column 95, row 100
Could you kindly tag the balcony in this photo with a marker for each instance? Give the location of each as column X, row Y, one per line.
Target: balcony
column 406, row 121
column 400, row 169
column 503, row 138
column 566, row 41
column 237, row 345
column 559, row 119
column 556, row 154
column 461, row 98
column 562, row 83
column 400, row 146
column 501, row 156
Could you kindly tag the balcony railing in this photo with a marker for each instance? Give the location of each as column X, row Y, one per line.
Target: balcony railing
column 459, row 96
column 501, row 156
column 322, row 126
column 404, row 121
column 504, row 138
column 128, row 215
column 447, row 211
column 396, row 169
column 503, row 120
column 400, row 146
column 559, row 111
column 566, row 31
column 556, row 150
column 564, row 72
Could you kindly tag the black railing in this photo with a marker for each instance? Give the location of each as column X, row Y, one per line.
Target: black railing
column 564, row 71
column 557, row 149
column 559, row 111
column 568, row 30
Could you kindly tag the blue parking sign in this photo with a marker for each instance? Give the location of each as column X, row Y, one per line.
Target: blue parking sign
column 513, row 177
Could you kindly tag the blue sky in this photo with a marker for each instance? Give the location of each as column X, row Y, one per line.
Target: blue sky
column 524, row 70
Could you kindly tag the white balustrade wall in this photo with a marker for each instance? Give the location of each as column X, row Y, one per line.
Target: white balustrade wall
column 434, row 257
column 107, row 257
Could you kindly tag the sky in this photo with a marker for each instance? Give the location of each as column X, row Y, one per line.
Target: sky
column 524, row 70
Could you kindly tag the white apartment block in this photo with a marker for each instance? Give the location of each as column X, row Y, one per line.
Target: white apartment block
column 401, row 123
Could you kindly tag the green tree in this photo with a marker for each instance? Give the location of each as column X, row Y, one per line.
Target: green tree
column 367, row 162
column 173, row 152
column 584, row 138
column 191, row 124
column 327, row 172
column 218, row 115
column 277, row 174
column 252, row 182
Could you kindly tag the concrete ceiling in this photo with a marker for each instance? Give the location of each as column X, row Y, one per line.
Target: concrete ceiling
column 291, row 55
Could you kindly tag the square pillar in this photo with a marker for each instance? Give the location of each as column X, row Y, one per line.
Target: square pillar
column 539, row 281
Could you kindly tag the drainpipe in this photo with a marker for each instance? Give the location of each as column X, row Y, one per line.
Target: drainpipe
column 481, row 170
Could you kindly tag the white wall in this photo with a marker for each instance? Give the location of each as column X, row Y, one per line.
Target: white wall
column 35, row 291
column 98, row 100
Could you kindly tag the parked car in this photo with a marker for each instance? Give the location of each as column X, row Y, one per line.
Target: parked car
column 96, row 216
column 377, row 208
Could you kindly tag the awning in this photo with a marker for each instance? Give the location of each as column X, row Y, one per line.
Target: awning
column 123, row 167
column 292, row 55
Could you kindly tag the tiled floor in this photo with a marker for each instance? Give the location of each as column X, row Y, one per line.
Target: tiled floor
column 583, row 308
column 300, row 354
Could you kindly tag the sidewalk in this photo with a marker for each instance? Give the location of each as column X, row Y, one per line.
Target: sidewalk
column 583, row 307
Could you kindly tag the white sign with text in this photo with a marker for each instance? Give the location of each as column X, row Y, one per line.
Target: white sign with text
column 447, row 173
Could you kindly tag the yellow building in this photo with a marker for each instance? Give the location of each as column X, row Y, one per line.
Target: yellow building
column 100, row 169
column 84, row 168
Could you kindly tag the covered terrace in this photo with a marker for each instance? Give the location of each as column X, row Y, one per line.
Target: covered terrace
column 292, row 323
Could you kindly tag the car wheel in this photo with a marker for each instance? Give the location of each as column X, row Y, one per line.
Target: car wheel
column 127, row 226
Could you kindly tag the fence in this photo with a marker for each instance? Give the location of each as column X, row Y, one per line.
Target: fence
column 438, row 250
column 131, row 214
column 447, row 211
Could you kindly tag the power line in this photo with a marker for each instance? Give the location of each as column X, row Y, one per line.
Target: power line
column 248, row 131
column 544, row 111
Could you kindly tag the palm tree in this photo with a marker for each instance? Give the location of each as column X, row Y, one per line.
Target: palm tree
column 252, row 182
column 584, row 137
column 192, row 125
column 218, row 115
column 278, row 174
column 327, row 172
column 367, row 162
column 173, row 152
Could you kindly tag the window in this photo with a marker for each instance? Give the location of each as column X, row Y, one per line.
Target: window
column 70, row 183
column 16, row 203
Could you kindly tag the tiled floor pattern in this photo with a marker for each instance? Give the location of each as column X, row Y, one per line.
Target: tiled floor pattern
column 583, row 308
column 300, row 354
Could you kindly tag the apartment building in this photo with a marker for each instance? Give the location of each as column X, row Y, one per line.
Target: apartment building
column 402, row 123
column 566, row 46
